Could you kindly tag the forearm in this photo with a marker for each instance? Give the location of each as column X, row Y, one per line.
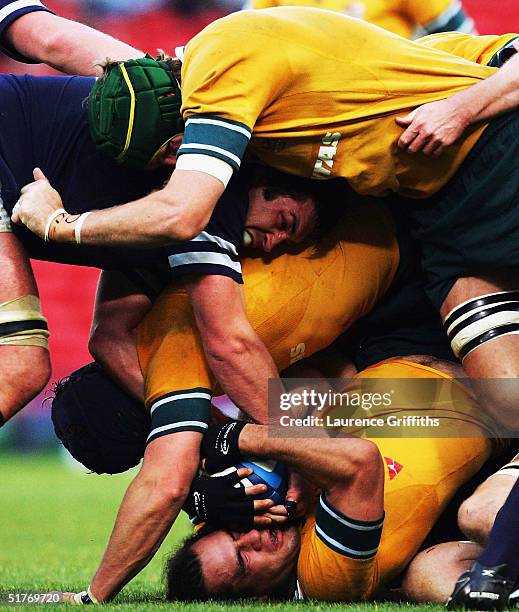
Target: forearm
column 321, row 459
column 151, row 221
column 65, row 45
column 492, row 97
column 149, row 508
column 118, row 356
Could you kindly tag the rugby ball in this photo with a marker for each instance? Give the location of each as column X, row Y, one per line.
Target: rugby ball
column 271, row 473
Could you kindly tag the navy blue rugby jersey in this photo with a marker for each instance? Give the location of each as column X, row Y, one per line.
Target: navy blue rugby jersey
column 43, row 124
column 216, row 249
column 10, row 10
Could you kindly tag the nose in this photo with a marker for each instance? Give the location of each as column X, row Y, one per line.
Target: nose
column 251, row 539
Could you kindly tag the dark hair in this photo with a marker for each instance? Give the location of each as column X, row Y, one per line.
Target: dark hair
column 185, row 580
column 330, row 196
column 183, row 574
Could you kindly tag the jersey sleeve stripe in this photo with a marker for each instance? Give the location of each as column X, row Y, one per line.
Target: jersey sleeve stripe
column 344, row 535
column 341, row 549
column 453, row 19
column 158, row 432
column 349, row 522
column 224, row 244
column 219, row 259
column 216, row 137
column 225, row 124
column 227, row 156
column 186, row 410
column 209, row 269
column 180, row 396
column 12, row 7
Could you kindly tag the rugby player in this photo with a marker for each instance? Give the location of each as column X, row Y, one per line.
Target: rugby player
column 433, row 572
column 355, row 138
column 33, row 108
column 31, row 33
column 403, row 18
column 298, row 305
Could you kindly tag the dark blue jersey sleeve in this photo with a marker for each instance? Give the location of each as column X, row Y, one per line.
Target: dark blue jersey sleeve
column 215, row 250
column 11, row 10
column 43, row 124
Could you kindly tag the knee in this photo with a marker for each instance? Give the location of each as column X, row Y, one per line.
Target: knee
column 474, row 519
column 27, row 371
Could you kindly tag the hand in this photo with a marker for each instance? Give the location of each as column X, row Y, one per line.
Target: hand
column 220, row 448
column 299, row 496
column 218, row 501
column 432, row 127
column 37, row 202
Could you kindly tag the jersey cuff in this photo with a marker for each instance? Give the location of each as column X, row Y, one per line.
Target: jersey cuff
column 344, row 535
column 213, row 166
column 186, row 410
column 10, row 13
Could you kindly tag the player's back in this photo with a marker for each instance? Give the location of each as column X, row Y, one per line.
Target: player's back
column 43, row 123
column 309, row 79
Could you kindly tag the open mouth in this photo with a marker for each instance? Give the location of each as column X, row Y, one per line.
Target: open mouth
column 247, row 238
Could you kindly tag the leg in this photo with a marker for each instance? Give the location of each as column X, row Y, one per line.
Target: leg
column 496, row 358
column 432, row 574
column 477, row 514
column 25, row 365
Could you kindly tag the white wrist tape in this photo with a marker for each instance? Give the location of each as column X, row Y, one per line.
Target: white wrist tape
column 79, row 225
column 52, row 217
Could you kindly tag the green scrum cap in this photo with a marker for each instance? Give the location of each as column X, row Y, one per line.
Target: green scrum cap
column 134, row 109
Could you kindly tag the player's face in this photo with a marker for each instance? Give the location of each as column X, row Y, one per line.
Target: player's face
column 253, row 563
column 272, row 222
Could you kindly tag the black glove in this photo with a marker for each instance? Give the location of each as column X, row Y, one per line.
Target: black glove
column 220, row 446
column 217, row 501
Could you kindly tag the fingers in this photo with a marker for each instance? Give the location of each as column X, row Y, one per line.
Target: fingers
column 261, row 505
column 242, row 473
column 38, row 175
column 255, row 490
column 407, row 120
column 15, row 216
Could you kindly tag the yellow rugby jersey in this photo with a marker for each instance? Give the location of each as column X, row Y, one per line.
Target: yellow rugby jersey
column 479, row 49
column 316, row 93
column 297, row 303
column 422, row 476
column 399, row 16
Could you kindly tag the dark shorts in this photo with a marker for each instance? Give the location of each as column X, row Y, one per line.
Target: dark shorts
column 471, row 226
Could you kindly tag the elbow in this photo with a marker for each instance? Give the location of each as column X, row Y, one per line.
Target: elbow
column 56, row 47
column 178, row 223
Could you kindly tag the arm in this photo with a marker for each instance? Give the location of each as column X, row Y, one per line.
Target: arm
column 235, row 354
column 179, row 211
column 350, row 471
column 148, row 510
column 119, row 308
column 63, row 44
column 432, row 127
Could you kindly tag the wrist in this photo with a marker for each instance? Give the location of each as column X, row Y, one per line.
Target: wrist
column 253, row 440
column 64, row 227
column 60, row 226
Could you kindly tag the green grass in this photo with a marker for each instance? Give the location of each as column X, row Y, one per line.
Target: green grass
column 54, row 524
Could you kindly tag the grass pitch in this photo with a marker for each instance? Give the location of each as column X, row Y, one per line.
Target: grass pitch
column 55, row 522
